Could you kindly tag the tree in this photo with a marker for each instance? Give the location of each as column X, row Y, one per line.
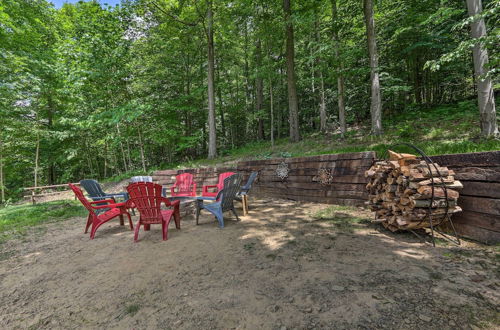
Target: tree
column 485, row 96
column 340, row 76
column 212, row 133
column 375, row 100
column 293, row 103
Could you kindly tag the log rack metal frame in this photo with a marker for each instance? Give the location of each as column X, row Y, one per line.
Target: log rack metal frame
column 447, row 216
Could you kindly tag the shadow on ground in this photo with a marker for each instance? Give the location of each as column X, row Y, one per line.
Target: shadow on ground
column 287, row 265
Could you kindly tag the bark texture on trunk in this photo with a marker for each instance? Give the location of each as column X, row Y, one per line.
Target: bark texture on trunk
column 322, row 103
column 340, row 77
column 376, row 103
column 212, row 135
column 2, row 180
column 485, row 97
column 141, row 148
column 319, row 73
column 259, row 90
column 121, row 148
column 37, row 158
column 293, row 104
column 272, row 111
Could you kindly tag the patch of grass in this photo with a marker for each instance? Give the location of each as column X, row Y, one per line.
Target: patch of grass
column 308, row 249
column 436, row 275
column 249, row 246
column 339, row 216
column 327, row 212
column 271, row 256
column 16, row 220
column 132, row 309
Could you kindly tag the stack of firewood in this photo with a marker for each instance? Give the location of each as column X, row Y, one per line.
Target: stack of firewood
column 400, row 192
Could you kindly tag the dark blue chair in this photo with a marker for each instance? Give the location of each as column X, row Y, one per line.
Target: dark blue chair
column 95, row 192
column 222, row 202
column 242, row 195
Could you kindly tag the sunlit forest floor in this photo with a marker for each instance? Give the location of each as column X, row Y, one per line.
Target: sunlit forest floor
column 440, row 130
column 286, row 265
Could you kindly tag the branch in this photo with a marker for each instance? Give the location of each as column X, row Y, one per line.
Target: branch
column 175, row 18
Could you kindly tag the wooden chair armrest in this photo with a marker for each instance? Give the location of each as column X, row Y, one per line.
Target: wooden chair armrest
column 109, row 206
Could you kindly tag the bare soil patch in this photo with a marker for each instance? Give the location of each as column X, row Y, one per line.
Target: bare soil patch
column 281, row 267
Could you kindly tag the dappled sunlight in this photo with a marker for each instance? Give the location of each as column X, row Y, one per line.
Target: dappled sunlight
column 412, row 253
column 285, row 263
column 31, row 255
column 122, row 233
column 271, row 239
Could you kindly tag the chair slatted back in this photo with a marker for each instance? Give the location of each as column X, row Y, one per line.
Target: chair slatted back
column 79, row 194
column 231, row 188
column 250, row 181
column 141, row 178
column 147, row 198
column 222, row 177
column 184, row 183
column 93, row 188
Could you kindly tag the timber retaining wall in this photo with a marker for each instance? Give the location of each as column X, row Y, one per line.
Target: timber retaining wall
column 479, row 172
column 339, row 179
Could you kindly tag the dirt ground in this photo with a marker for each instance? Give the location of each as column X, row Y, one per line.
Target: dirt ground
column 278, row 268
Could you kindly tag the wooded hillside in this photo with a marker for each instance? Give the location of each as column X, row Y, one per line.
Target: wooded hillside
column 89, row 90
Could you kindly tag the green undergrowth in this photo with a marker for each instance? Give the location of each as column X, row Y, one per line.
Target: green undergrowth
column 446, row 129
column 15, row 220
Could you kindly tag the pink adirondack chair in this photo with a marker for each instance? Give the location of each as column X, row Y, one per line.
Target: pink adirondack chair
column 219, row 186
column 184, row 186
column 147, row 198
column 96, row 220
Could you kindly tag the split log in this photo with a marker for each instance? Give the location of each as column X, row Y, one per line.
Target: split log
column 405, row 193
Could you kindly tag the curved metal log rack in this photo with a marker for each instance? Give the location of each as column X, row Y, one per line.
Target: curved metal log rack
column 447, row 216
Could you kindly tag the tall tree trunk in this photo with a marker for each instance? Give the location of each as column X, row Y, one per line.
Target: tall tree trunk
column 129, row 158
column 486, row 99
column 376, row 103
column 293, row 104
column 272, row 110
column 340, row 67
column 50, row 120
column 259, row 89
column 247, row 77
column 141, row 148
column 2, row 180
column 322, row 103
column 219, row 96
column 322, row 100
column 212, row 134
column 121, row 147
column 37, row 158
column 105, row 158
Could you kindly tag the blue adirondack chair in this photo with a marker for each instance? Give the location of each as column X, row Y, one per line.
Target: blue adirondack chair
column 222, row 202
column 95, row 192
column 242, row 195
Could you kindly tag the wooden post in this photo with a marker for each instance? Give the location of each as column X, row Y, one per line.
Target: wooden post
column 244, row 201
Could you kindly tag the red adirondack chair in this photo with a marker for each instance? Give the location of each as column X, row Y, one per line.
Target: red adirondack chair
column 184, row 186
column 147, row 198
column 96, row 220
column 219, row 186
